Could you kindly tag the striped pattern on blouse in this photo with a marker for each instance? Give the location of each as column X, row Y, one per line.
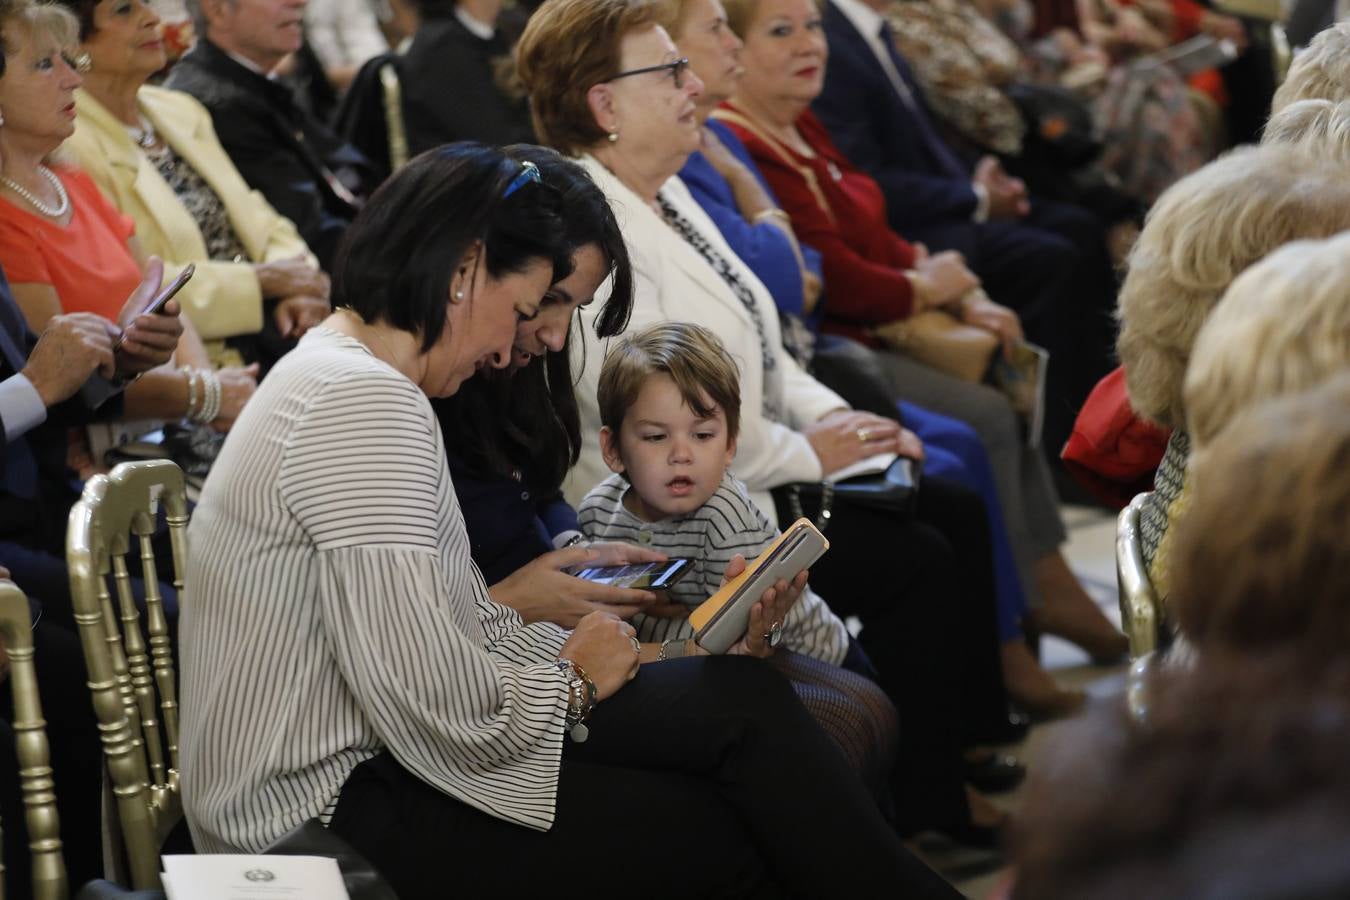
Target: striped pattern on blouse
column 727, row 524
column 335, row 612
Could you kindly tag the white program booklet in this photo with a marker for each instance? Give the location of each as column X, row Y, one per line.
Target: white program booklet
column 226, row 877
column 872, row 465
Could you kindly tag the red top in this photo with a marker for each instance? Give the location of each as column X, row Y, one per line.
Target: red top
column 838, row 209
column 86, row 261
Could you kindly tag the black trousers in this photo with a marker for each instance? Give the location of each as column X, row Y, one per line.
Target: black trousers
column 703, row 777
column 923, row 586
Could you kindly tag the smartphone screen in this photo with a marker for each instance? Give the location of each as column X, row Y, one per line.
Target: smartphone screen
column 653, row 576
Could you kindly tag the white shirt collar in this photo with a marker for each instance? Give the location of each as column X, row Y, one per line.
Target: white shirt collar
column 477, row 27
column 864, row 18
column 250, row 65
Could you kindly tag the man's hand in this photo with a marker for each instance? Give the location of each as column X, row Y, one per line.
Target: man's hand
column 147, row 341
column 1007, row 195
column 72, row 347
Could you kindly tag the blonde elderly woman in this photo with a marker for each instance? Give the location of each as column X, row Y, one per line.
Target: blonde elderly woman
column 1321, row 71
column 607, row 85
column 155, row 154
column 1320, row 127
column 1201, row 235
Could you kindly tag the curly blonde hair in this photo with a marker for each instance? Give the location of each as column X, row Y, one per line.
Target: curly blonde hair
column 1283, row 326
column 1319, row 127
column 1198, row 237
column 1321, row 71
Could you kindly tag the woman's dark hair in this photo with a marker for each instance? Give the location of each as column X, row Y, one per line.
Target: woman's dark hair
column 84, row 12
column 400, row 254
column 527, row 420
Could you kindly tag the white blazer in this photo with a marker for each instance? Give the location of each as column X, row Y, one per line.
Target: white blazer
column 672, row 282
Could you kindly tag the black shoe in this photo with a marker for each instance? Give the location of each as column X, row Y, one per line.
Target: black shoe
column 1011, row 730
column 996, row 774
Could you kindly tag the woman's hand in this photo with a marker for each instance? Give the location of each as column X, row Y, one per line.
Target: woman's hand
column 542, row 592
column 940, row 279
column 845, row 436
column 296, row 315
column 236, row 386
column 602, row 644
column 769, row 610
column 291, row 277
column 978, row 310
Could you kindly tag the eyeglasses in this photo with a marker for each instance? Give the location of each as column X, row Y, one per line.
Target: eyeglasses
column 676, row 68
column 528, row 172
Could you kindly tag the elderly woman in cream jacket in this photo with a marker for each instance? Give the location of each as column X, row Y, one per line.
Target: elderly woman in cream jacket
column 155, row 154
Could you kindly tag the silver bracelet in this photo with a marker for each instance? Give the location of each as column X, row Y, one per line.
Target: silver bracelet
column 192, row 380
column 673, row 648
column 211, row 405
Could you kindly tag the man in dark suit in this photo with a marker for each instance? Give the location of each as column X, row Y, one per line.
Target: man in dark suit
column 1049, row 261
column 309, row 174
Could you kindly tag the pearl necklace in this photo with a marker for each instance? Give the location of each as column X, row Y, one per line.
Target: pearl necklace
column 52, row 212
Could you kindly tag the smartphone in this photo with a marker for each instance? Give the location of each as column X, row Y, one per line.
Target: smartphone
column 170, row 289
column 654, row 576
column 163, row 297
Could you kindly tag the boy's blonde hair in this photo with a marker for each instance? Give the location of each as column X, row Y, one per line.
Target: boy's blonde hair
column 1198, row 237
column 1283, row 327
column 691, row 355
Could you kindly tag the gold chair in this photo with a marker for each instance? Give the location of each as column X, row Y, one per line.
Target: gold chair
column 131, row 680
column 392, row 93
column 30, row 738
column 1140, row 612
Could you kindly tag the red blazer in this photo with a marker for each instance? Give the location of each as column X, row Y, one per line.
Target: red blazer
column 838, row 209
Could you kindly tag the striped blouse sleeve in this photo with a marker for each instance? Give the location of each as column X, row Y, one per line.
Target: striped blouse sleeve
column 402, row 604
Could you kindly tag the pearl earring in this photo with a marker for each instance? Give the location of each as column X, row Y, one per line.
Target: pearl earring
column 459, row 294
column 2, row 118
column 613, row 137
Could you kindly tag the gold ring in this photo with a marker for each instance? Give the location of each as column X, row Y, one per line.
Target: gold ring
column 864, row 435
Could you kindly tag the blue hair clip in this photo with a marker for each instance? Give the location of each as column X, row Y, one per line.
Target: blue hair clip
column 528, row 172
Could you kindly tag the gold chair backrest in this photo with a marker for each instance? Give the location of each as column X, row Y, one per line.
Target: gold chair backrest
column 131, row 680
column 392, row 93
column 1140, row 612
column 30, row 738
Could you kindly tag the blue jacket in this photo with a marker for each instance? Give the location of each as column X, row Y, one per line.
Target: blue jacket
column 925, row 182
column 763, row 247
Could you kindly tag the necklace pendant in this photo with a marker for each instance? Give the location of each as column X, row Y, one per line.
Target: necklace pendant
column 834, row 170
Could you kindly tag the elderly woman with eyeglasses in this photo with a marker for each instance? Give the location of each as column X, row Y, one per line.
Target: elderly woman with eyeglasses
column 608, row 86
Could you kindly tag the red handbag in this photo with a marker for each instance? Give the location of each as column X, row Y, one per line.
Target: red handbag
column 1112, row 452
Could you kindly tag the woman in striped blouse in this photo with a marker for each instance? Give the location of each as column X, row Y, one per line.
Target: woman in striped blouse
column 343, row 659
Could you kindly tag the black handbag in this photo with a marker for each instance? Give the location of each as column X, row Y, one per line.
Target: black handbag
column 893, row 490
column 1060, row 128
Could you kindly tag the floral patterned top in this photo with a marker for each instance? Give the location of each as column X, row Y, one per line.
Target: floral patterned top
column 963, row 62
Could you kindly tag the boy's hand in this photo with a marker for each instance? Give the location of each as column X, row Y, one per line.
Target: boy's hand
column 542, row 592
column 769, row 610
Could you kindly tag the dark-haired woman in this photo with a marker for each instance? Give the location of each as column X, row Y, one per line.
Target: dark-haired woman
column 375, row 684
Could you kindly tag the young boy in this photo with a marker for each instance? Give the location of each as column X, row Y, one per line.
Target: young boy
column 670, row 404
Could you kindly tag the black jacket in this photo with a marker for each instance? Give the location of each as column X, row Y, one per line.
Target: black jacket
column 289, row 156
column 451, row 89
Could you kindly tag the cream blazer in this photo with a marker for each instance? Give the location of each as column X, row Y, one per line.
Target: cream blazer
column 223, row 298
column 672, row 282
